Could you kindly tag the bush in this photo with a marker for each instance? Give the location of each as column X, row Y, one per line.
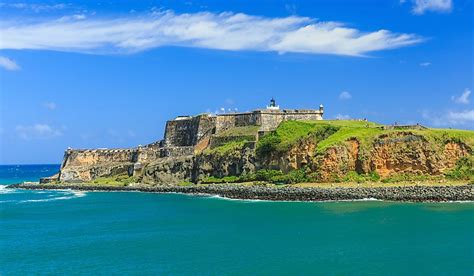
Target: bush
column 261, row 175
column 293, row 177
column 463, row 170
column 226, row 179
column 267, row 175
column 267, row 144
column 360, row 178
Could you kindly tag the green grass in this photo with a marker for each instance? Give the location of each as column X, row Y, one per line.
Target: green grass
column 185, row 184
column 347, row 123
column 446, row 135
column 365, row 136
column 240, row 131
column 226, row 179
column 291, row 132
column 118, row 180
column 228, row 148
column 464, row 170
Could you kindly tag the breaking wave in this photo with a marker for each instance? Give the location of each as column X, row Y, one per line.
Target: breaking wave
column 4, row 190
column 70, row 195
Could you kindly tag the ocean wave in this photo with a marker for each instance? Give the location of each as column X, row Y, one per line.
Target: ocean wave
column 271, row 200
column 5, row 190
column 71, row 195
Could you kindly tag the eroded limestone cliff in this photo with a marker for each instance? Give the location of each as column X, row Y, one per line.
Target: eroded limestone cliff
column 325, row 151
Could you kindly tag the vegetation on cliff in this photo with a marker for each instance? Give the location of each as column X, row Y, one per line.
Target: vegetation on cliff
column 290, row 132
column 367, row 142
column 298, row 152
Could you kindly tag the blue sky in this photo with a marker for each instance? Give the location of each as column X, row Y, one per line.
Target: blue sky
column 88, row 74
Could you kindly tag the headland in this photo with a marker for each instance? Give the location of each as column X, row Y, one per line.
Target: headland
column 275, row 149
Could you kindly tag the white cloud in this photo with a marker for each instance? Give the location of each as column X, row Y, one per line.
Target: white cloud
column 462, row 117
column 223, row 31
column 37, row 131
column 33, row 7
column 8, row 64
column 450, row 118
column 73, row 17
column 344, row 96
column 343, row 117
column 425, row 64
column 50, row 105
column 422, row 6
column 464, row 98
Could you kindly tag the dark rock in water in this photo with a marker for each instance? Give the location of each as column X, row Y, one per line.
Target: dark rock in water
column 409, row 193
column 50, row 179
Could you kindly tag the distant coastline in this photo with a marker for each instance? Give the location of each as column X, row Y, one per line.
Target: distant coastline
column 412, row 193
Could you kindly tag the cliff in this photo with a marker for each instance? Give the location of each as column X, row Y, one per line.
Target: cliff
column 295, row 151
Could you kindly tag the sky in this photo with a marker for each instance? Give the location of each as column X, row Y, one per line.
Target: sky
column 95, row 74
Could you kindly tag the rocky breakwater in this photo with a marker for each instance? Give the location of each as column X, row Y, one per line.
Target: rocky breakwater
column 288, row 193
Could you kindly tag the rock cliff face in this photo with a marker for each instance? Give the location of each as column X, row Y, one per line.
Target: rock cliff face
column 386, row 154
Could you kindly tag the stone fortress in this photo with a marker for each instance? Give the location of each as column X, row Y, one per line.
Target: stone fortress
column 184, row 136
column 187, row 131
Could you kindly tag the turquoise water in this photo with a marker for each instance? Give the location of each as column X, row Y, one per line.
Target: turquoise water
column 64, row 232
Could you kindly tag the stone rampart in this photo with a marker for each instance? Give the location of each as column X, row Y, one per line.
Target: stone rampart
column 75, row 158
column 271, row 119
column 188, row 131
column 231, row 120
column 176, row 151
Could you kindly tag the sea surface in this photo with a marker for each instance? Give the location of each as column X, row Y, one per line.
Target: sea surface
column 89, row 233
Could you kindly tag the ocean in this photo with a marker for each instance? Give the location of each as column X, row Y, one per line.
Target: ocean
column 88, row 233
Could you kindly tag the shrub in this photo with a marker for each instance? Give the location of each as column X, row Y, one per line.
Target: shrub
column 463, row 170
column 293, row 177
column 267, row 175
column 267, row 144
column 360, row 178
column 226, row 179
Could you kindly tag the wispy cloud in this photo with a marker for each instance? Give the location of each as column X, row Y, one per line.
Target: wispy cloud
column 343, row 117
column 33, row 7
column 223, row 31
column 344, row 96
column 451, row 118
column 50, row 105
column 425, row 64
column 422, row 6
column 8, row 64
column 463, row 98
column 462, row 117
column 37, row 131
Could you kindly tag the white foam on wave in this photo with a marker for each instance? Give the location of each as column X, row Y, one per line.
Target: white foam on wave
column 71, row 195
column 268, row 200
column 5, row 190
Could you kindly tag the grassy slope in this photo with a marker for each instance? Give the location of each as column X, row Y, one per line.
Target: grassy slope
column 290, row 132
column 240, row 131
column 366, row 132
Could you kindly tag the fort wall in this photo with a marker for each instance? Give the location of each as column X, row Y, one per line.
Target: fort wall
column 76, row 158
column 187, row 131
column 228, row 121
column 184, row 136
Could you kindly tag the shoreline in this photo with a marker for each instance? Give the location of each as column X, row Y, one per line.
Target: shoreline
column 259, row 192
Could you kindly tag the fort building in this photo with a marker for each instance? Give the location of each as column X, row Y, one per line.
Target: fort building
column 185, row 131
column 184, row 136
